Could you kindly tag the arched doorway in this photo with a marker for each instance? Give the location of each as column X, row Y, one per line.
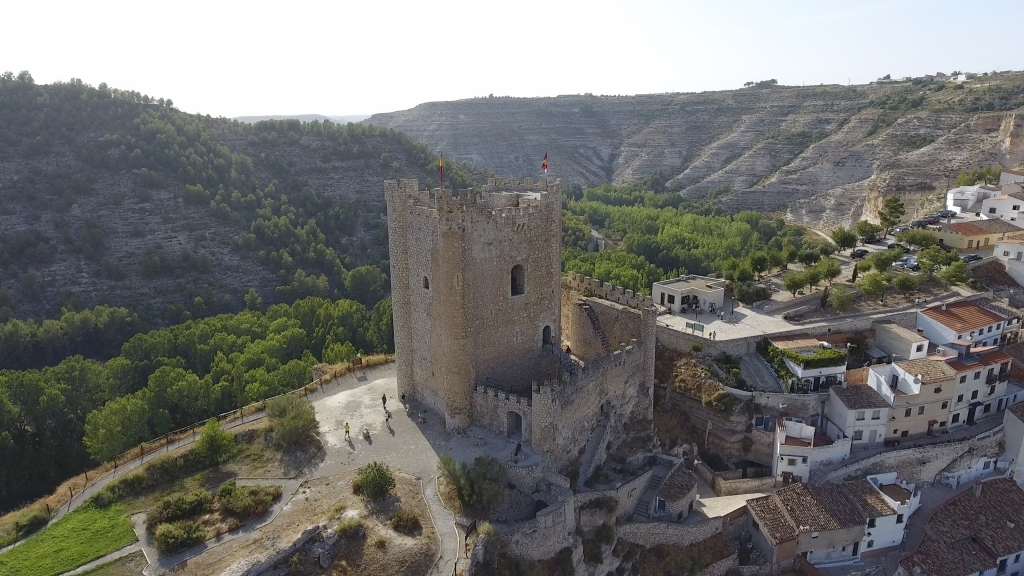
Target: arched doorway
column 546, row 337
column 514, row 426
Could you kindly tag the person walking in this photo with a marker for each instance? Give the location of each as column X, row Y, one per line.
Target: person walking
column 347, row 436
column 384, row 401
column 402, row 398
column 387, row 418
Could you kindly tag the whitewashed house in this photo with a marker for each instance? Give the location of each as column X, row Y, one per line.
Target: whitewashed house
column 858, row 413
column 799, row 450
column 902, row 499
column 960, row 321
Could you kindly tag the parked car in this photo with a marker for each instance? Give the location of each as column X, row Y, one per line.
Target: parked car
column 895, row 245
column 900, row 229
column 858, row 253
column 972, row 258
column 918, row 224
column 933, row 219
column 946, row 214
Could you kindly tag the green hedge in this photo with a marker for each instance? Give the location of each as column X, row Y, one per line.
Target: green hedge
column 820, row 358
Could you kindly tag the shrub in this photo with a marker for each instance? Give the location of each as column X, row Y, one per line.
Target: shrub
column 592, row 551
column 245, row 502
column 381, row 542
column 605, row 534
column 215, row 443
column 350, row 528
column 605, row 503
column 292, row 418
column 160, row 471
column 179, row 506
column 695, row 347
column 175, row 536
column 406, row 522
column 375, row 481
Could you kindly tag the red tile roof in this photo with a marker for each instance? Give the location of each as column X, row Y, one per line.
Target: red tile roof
column 981, row 227
column 962, row 316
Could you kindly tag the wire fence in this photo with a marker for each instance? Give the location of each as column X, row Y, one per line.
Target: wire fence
column 72, row 489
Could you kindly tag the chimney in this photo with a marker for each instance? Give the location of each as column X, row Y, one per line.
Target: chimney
column 976, row 490
column 943, row 306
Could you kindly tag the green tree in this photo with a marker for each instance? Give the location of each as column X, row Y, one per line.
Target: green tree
column 873, row 283
column 955, row 273
column 868, row 231
column 830, row 269
column 883, row 260
column 906, row 283
column 844, row 238
column 775, row 260
column 793, row 282
column 759, row 263
column 366, row 284
column 891, row 214
column 375, row 481
column 293, row 419
column 215, row 443
column 335, row 353
column 809, row 257
column 118, row 426
column 918, row 238
column 253, row 300
column 813, row 276
column 853, row 275
column 840, row 298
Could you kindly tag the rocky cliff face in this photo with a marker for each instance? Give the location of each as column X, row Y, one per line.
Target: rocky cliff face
column 825, row 155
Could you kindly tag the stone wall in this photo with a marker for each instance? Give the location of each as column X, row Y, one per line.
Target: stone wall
column 492, row 406
column 743, row 486
column 590, row 287
column 671, row 533
column 721, row 567
column 627, row 494
column 552, row 529
column 920, row 465
column 764, row 447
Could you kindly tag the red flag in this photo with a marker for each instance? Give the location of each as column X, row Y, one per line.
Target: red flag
column 544, row 164
column 440, row 168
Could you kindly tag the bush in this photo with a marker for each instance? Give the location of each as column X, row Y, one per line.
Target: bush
column 292, row 418
column 605, row 534
column 605, row 503
column 175, row 536
column 351, row 528
column 406, row 522
column 215, row 443
column 478, row 487
column 160, row 471
column 244, row 502
column 375, row 481
column 695, row 347
column 748, row 292
column 179, row 506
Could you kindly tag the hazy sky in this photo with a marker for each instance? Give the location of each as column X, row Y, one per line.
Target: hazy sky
column 345, row 57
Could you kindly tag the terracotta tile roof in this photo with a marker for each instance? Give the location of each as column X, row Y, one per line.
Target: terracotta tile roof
column 859, row 397
column 980, row 227
column 840, row 505
column 865, row 496
column 857, row 376
column 961, row 558
column 1018, row 411
column 808, row 514
column 931, row 371
column 795, row 342
column 1014, row 172
column 992, row 358
column 986, row 517
column 678, row 485
column 775, row 523
column 963, row 316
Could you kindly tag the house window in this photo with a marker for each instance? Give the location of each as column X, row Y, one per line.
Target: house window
column 991, row 390
column 999, row 325
column 907, row 412
column 970, row 243
column 920, row 410
column 972, row 333
column 991, row 210
column 756, row 527
column 1016, row 558
column 988, row 464
column 989, row 331
column 945, row 405
column 960, row 397
column 671, row 299
column 876, row 414
column 956, row 418
column 860, row 415
column 904, row 434
column 804, row 460
column 938, row 389
column 1006, row 252
column 871, row 522
column 791, row 462
column 942, row 424
column 974, row 395
column 518, row 280
column 858, row 435
column 899, row 518
column 963, row 379
column 871, row 543
column 895, row 431
column 1016, row 207
column 988, row 408
column 919, row 348
column 978, row 373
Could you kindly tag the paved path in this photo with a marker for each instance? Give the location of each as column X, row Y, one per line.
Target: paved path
column 757, row 374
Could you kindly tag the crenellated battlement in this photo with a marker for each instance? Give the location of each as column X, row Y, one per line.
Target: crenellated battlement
column 507, row 397
column 593, row 370
column 591, row 287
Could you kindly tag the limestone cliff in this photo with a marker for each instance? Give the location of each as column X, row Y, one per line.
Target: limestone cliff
column 826, row 155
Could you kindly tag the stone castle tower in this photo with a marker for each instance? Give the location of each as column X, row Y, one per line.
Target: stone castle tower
column 475, row 282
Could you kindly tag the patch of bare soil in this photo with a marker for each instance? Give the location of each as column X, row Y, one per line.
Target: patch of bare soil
column 993, row 275
column 260, row 456
column 376, row 549
column 130, row 565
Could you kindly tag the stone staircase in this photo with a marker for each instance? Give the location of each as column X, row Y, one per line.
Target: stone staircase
column 642, row 512
column 596, row 323
column 597, row 439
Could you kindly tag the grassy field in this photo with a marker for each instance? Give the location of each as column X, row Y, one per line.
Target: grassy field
column 83, row 535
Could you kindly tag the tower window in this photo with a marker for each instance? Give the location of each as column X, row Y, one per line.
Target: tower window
column 426, row 283
column 518, row 280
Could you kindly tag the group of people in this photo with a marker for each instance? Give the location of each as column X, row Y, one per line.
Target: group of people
column 387, row 413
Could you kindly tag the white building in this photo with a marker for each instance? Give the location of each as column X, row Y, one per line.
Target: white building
column 688, row 292
column 968, row 199
column 1008, row 205
column 1013, row 435
column 800, row 450
column 888, row 503
column 803, row 359
column 961, row 321
column 899, row 342
column 858, row 413
column 1010, row 176
column 980, row 390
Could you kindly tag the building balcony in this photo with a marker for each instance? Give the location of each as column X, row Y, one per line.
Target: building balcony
column 1003, row 376
column 991, row 378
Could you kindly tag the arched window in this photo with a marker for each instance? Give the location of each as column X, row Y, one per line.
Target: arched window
column 426, row 283
column 518, row 280
column 546, row 337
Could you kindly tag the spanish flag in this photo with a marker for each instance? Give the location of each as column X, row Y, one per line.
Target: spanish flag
column 440, row 168
column 544, row 164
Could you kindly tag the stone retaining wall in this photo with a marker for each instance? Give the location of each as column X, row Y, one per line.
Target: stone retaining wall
column 627, row 494
column 721, row 567
column 654, row 533
column 743, row 486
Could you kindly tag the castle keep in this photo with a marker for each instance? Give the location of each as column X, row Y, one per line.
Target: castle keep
column 482, row 317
